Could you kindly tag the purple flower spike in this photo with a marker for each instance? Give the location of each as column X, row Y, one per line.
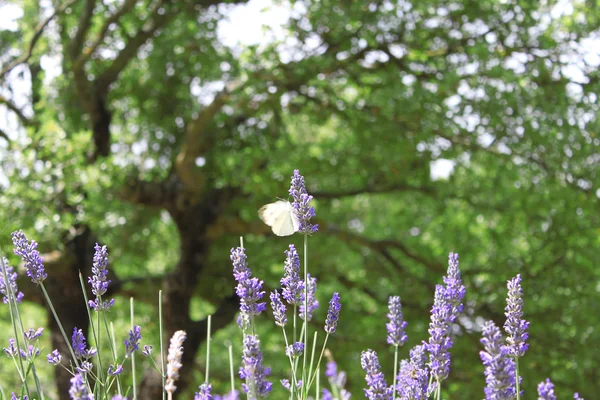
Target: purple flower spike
column 378, row 389
column 292, row 285
column 54, row 358
column 98, row 281
column 397, row 325
column 249, row 290
column 455, row 290
column 333, row 314
column 515, row 326
column 31, row 257
column 13, row 396
column 294, row 350
column 203, row 392
column 312, row 302
column 11, row 276
column 112, row 370
column 11, row 350
column 546, row 390
column 132, row 344
column 439, row 339
column 499, row 366
column 253, row 371
column 78, row 390
column 278, row 309
column 32, row 335
column 301, row 204
column 413, row 379
column 576, row 396
column 79, row 345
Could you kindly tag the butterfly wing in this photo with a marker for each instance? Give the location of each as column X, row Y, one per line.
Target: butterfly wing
column 280, row 217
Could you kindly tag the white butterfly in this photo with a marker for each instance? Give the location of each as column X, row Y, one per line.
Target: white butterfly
column 280, row 216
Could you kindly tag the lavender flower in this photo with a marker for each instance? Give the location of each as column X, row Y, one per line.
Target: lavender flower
column 30, row 353
column 439, row 339
column 326, row 394
column 333, row 314
column 337, row 380
column 174, row 360
column 78, row 344
column 78, row 390
column 112, row 370
column 11, row 350
column 98, row 281
column 203, row 392
column 85, row 367
column 397, row 325
column 312, row 302
column 54, row 358
column 249, row 290
column 13, row 396
column 499, row 366
column 252, row 369
column 301, row 204
column 147, row 350
column 31, row 335
column 287, row 385
column 11, row 276
column 233, row 395
column 546, row 390
column 132, row 344
column 294, row 350
column 515, row 326
column 455, row 290
column 378, row 389
column 291, row 283
column 31, row 257
column 278, row 309
column 576, row 396
column 413, row 379
column 118, row 397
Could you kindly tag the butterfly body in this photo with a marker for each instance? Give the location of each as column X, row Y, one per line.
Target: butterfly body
column 281, row 217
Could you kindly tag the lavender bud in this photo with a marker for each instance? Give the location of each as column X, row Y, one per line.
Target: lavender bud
column 396, row 325
column 546, row 390
column 301, row 204
column 32, row 335
column 333, row 314
column 294, row 350
column 378, row 389
column 204, row 392
column 174, row 360
column 292, row 285
column 98, row 281
column 78, row 344
column 515, row 326
column 11, row 276
column 252, row 369
column 312, row 302
column 499, row 366
column 112, row 370
column 132, row 344
column 413, row 380
column 278, row 309
column 11, row 350
column 54, row 358
column 31, row 257
column 147, row 350
column 78, row 390
column 85, row 367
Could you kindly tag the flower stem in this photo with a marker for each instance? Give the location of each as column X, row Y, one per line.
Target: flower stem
column 517, row 377
column 395, row 376
column 231, row 368
column 162, row 351
column 207, row 349
column 134, row 384
column 305, row 325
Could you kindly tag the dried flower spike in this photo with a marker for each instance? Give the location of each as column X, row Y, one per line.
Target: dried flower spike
column 174, row 360
column 515, row 326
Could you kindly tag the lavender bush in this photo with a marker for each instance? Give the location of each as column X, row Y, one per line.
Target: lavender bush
column 96, row 371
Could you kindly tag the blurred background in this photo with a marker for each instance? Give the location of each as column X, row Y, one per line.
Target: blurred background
column 158, row 128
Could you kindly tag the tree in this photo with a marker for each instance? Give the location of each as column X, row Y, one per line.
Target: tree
column 161, row 142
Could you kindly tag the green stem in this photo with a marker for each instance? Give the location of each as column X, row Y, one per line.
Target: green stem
column 113, row 345
column 162, row 352
column 207, row 349
column 231, row 369
column 134, row 384
column 293, row 385
column 320, row 358
column 305, row 325
column 517, row 377
column 395, row 372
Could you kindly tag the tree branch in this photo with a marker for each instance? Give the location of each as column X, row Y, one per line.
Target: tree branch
column 39, row 30
column 399, row 187
column 13, row 107
column 85, row 21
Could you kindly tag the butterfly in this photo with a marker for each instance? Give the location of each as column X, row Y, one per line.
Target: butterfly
column 281, row 217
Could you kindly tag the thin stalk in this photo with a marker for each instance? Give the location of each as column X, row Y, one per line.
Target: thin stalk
column 294, row 378
column 320, row 358
column 517, row 376
column 207, row 349
column 231, row 368
column 162, row 352
column 62, row 331
column 113, row 344
column 395, row 372
column 318, row 387
column 305, row 325
column 312, row 360
column 134, row 385
column 87, row 308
